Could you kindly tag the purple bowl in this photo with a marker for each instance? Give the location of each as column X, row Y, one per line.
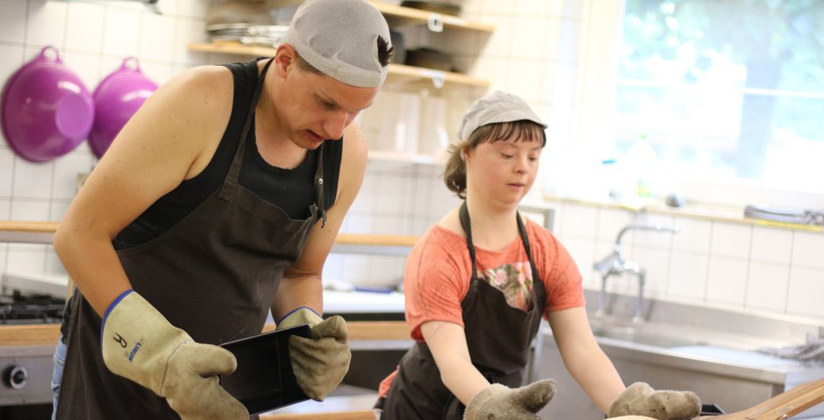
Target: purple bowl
column 116, row 99
column 46, row 109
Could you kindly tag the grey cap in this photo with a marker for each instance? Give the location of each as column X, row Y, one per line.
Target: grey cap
column 497, row 107
column 339, row 38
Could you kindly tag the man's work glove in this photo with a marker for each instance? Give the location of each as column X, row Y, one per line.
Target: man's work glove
column 319, row 362
column 497, row 402
column 641, row 400
column 141, row 345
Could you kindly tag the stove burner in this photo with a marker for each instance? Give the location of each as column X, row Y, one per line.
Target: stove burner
column 30, row 309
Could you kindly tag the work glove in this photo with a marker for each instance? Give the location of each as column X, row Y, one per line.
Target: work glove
column 141, row 345
column 321, row 361
column 641, row 400
column 497, row 402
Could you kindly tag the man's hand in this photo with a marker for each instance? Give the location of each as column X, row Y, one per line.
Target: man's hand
column 141, row 345
column 497, row 402
column 319, row 362
column 641, row 400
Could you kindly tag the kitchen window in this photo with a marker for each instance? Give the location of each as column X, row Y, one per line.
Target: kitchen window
column 729, row 94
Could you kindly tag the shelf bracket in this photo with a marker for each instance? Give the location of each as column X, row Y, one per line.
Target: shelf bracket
column 438, row 77
column 434, row 22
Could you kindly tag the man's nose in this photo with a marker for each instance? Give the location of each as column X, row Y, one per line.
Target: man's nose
column 334, row 125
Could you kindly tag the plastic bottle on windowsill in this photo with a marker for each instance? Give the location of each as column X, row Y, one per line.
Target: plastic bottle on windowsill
column 641, row 161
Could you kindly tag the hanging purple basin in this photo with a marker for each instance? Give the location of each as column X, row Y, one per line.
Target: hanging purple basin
column 46, row 110
column 116, row 99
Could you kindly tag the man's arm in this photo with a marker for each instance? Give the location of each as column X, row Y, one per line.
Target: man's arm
column 583, row 358
column 169, row 139
column 301, row 284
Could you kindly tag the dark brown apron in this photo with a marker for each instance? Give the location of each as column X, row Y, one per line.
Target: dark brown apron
column 214, row 274
column 498, row 337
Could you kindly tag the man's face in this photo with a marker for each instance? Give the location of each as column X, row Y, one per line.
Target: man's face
column 317, row 107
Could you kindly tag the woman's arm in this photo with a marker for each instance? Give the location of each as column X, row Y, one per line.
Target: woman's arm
column 583, row 358
column 301, row 284
column 447, row 343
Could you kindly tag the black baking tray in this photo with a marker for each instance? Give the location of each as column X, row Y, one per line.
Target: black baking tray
column 264, row 379
column 711, row 410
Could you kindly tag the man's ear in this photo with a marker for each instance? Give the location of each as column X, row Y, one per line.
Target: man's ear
column 285, row 57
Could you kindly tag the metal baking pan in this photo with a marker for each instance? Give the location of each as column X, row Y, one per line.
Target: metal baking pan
column 264, row 379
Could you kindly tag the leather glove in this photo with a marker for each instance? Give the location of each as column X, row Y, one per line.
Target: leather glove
column 141, row 345
column 498, row 402
column 319, row 362
column 640, row 399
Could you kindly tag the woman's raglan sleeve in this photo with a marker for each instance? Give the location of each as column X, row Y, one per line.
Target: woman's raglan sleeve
column 433, row 284
column 561, row 276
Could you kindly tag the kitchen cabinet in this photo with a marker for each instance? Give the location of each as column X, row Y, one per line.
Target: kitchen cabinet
column 414, row 128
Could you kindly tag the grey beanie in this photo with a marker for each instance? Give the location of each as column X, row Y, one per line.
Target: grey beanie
column 497, row 107
column 339, row 38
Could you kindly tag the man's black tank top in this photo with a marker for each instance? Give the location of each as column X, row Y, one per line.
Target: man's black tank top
column 290, row 189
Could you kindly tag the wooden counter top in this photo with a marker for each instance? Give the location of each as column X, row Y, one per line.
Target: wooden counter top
column 46, row 334
column 42, row 232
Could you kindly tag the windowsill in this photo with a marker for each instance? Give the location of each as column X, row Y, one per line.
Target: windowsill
column 695, row 211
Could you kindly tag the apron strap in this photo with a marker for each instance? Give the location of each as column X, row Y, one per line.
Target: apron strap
column 234, row 170
column 467, row 227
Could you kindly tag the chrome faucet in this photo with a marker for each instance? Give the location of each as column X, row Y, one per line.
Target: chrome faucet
column 615, row 264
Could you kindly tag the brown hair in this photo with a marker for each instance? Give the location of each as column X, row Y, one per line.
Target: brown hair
column 454, row 174
column 385, row 53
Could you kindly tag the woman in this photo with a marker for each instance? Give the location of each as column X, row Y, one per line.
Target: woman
column 474, row 314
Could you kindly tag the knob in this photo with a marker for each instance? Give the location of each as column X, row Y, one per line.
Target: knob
column 17, row 376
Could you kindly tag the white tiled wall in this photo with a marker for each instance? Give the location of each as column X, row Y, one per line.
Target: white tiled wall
column 735, row 265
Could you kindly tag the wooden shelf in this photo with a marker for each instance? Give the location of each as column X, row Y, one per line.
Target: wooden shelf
column 397, row 72
column 401, row 16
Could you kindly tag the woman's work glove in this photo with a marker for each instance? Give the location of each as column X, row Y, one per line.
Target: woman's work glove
column 141, row 345
column 319, row 362
column 641, row 400
column 497, row 402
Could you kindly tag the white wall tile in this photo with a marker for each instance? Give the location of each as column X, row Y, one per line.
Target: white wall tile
column 84, row 27
column 563, row 88
column 530, row 37
column 5, row 209
column 727, row 280
column 653, row 238
column 355, row 268
column 6, row 171
column 52, row 264
column 731, row 239
column 188, row 31
column 386, row 271
column 771, row 245
column 578, row 221
column 32, row 180
column 57, row 210
column 26, row 259
column 538, row 8
column 157, row 37
column 496, row 7
column 193, row 8
column 693, row 236
column 13, row 29
column 46, row 24
column 4, row 253
column 65, row 173
column 84, row 65
column 767, row 286
column 688, row 276
column 572, row 9
column 656, row 262
column 12, row 59
column 31, row 209
column 807, row 249
column 500, row 43
column 806, row 291
column 610, row 222
column 570, row 40
column 526, row 84
column 121, row 32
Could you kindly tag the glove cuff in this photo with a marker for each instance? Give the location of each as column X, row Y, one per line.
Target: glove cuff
column 137, row 340
column 481, row 399
column 303, row 315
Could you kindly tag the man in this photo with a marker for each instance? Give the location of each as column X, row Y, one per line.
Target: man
column 218, row 201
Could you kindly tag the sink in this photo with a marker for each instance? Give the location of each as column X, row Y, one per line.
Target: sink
column 638, row 335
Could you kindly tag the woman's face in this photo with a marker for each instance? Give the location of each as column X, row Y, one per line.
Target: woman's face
column 501, row 173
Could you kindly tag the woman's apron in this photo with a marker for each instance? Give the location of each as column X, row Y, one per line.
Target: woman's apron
column 214, row 274
column 498, row 337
